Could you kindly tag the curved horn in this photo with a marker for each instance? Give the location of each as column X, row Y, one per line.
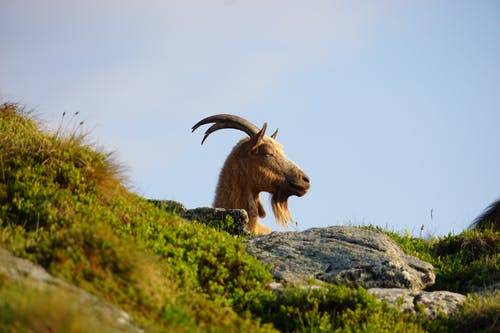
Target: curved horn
column 222, row 121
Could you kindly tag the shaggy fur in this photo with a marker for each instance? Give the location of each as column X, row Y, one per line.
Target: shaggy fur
column 489, row 219
column 258, row 164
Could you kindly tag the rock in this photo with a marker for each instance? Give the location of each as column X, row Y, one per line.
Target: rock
column 169, row 205
column 234, row 221
column 341, row 255
column 278, row 288
column 31, row 275
column 207, row 215
column 18, row 269
column 491, row 289
column 430, row 304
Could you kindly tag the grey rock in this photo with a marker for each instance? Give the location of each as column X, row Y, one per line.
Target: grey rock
column 279, row 288
column 208, row 214
column 490, row 290
column 169, row 205
column 430, row 304
column 28, row 274
column 21, row 269
column 214, row 217
column 341, row 255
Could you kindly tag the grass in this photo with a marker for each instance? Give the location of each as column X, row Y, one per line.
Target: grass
column 464, row 263
column 63, row 205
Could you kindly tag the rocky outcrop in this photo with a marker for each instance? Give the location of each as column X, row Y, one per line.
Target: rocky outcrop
column 352, row 255
column 342, row 255
column 25, row 273
column 234, row 221
column 430, row 304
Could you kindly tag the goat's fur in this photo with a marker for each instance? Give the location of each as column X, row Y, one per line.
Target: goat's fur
column 258, row 164
column 489, row 219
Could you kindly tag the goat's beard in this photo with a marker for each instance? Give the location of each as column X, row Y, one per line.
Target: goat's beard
column 279, row 204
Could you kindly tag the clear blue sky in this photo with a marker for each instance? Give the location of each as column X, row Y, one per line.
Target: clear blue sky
column 391, row 107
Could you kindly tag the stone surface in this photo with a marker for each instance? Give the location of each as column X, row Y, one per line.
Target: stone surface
column 214, row 217
column 31, row 275
column 431, row 304
column 341, row 255
column 169, row 205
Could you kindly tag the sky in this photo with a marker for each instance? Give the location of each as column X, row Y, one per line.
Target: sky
column 391, row 107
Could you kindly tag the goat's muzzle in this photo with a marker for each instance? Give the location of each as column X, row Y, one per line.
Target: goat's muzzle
column 298, row 184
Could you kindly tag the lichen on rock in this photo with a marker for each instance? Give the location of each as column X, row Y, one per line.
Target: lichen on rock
column 234, row 221
column 342, row 255
column 430, row 304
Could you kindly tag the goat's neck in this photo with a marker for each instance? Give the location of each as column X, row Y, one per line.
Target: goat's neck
column 231, row 194
column 234, row 191
column 237, row 190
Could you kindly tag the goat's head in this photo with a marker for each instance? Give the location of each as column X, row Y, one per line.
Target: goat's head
column 263, row 163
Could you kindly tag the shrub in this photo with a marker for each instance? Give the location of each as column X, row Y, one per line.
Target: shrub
column 63, row 206
column 335, row 309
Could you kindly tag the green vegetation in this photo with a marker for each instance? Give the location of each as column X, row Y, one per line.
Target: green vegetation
column 336, row 309
column 24, row 309
column 63, row 206
column 464, row 263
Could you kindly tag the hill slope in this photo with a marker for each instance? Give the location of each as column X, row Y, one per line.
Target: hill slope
column 62, row 205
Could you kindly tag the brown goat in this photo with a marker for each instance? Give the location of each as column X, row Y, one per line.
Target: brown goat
column 256, row 164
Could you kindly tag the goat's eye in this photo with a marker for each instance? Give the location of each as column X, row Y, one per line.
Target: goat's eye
column 266, row 153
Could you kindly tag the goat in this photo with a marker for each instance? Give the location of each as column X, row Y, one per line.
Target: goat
column 489, row 219
column 256, row 164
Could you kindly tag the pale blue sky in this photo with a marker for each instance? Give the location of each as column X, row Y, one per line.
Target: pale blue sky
column 391, row 107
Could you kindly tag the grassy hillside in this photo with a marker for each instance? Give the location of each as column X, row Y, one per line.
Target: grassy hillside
column 63, row 205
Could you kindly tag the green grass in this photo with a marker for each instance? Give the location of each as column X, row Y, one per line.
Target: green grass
column 464, row 263
column 63, row 205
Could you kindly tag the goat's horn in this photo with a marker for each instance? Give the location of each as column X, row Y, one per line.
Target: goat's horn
column 226, row 121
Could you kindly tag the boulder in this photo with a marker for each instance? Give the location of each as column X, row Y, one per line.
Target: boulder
column 234, row 221
column 342, row 255
column 30, row 275
column 430, row 304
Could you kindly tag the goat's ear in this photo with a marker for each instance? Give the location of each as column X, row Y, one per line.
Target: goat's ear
column 256, row 140
column 275, row 134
